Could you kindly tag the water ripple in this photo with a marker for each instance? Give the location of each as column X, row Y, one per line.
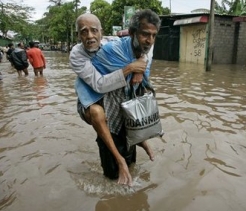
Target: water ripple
column 44, row 145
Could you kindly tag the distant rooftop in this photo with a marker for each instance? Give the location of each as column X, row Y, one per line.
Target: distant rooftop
column 201, row 10
column 10, row 34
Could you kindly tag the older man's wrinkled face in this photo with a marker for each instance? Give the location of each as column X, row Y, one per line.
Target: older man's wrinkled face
column 90, row 33
column 144, row 38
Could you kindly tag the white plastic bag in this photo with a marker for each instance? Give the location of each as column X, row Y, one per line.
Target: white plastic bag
column 142, row 119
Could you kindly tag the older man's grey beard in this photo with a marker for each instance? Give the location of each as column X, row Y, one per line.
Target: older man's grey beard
column 93, row 50
column 137, row 46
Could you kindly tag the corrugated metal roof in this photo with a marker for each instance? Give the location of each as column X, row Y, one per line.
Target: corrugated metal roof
column 193, row 15
column 198, row 19
column 239, row 19
column 123, row 33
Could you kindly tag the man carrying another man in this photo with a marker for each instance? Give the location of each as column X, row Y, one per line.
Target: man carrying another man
column 125, row 56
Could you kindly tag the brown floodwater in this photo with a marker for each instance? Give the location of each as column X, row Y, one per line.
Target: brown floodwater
column 49, row 158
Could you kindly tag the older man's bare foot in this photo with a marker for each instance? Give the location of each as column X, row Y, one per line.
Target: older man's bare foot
column 147, row 149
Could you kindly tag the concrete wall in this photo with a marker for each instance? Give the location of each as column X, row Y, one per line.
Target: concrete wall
column 193, row 40
column 241, row 50
column 193, row 43
column 223, row 40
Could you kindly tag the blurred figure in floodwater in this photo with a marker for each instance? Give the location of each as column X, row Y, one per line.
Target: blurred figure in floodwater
column 36, row 59
column 9, row 52
column 19, row 59
column 1, row 55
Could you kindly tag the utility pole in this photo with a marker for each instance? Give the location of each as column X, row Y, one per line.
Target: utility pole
column 72, row 26
column 76, row 12
column 76, row 8
column 170, row 6
column 210, row 37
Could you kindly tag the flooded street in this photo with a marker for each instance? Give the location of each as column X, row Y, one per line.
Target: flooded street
column 50, row 161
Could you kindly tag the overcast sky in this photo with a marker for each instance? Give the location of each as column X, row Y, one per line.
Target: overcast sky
column 177, row 6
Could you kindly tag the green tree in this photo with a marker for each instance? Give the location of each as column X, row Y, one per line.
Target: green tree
column 59, row 21
column 76, row 5
column 14, row 17
column 56, row 2
column 233, row 7
column 27, row 32
column 220, row 9
column 102, row 9
column 118, row 9
column 61, row 18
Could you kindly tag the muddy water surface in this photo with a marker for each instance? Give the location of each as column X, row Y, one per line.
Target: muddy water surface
column 49, row 159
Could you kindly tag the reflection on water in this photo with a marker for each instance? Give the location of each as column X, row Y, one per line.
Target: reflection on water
column 39, row 86
column 137, row 201
column 49, row 157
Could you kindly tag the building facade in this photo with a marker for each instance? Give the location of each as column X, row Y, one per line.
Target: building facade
column 184, row 38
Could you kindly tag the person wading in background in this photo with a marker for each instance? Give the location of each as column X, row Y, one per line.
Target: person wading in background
column 9, row 51
column 19, row 59
column 36, row 59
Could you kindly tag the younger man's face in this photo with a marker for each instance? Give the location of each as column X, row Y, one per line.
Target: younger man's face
column 144, row 37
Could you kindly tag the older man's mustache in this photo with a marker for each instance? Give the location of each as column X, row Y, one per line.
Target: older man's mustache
column 88, row 42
